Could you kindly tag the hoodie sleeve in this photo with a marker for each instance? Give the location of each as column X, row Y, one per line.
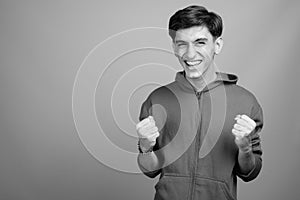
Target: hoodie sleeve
column 145, row 112
column 257, row 116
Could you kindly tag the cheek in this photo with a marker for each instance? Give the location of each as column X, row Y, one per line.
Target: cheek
column 179, row 52
column 208, row 53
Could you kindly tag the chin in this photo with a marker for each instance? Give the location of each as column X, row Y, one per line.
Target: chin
column 193, row 74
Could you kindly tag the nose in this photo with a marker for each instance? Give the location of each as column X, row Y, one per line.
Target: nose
column 191, row 52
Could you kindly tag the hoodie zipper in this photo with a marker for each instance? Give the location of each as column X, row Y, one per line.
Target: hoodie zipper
column 197, row 145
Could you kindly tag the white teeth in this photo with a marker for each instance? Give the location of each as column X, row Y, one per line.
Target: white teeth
column 192, row 63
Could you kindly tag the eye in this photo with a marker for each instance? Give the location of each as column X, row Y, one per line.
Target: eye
column 200, row 43
column 181, row 44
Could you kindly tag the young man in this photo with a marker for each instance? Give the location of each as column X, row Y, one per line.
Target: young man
column 206, row 134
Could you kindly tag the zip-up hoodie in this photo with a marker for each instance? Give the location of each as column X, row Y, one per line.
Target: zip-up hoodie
column 196, row 148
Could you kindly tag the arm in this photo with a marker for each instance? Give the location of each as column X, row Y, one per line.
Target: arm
column 246, row 161
column 250, row 163
column 149, row 164
column 249, row 156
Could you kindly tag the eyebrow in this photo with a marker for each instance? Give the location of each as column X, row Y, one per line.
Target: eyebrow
column 179, row 41
column 201, row 40
column 197, row 40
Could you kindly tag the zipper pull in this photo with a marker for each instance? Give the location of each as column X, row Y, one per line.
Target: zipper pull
column 198, row 94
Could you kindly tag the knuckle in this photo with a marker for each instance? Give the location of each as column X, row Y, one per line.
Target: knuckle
column 142, row 132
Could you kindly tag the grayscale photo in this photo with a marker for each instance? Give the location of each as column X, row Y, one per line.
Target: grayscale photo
column 149, row 100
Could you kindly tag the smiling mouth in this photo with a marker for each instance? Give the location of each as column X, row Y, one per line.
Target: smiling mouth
column 192, row 63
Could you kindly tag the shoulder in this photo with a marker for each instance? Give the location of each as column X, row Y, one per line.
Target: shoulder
column 163, row 91
column 238, row 91
column 241, row 95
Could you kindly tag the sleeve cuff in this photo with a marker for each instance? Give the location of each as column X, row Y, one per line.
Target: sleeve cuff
column 254, row 172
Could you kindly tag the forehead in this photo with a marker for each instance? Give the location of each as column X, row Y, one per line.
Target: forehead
column 193, row 33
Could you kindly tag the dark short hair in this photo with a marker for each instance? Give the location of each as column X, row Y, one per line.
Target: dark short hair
column 195, row 16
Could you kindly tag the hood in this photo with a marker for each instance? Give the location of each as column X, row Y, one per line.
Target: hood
column 222, row 78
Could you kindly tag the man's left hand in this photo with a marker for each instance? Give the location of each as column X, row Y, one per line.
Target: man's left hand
column 242, row 128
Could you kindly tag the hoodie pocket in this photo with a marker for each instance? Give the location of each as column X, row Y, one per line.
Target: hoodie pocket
column 172, row 186
column 211, row 189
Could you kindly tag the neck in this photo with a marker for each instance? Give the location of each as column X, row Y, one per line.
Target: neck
column 206, row 78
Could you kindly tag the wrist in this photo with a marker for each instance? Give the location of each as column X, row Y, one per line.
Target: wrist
column 246, row 150
column 144, row 150
column 244, row 144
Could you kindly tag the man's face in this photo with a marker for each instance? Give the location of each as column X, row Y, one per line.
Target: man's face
column 195, row 49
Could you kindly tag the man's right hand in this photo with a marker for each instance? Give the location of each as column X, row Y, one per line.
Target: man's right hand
column 147, row 132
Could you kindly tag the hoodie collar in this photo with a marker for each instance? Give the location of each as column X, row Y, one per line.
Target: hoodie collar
column 221, row 78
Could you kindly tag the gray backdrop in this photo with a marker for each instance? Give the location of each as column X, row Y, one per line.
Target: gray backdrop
column 44, row 43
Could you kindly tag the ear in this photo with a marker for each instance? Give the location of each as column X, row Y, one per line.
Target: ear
column 218, row 45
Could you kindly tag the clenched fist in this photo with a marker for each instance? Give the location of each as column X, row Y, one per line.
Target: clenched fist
column 242, row 128
column 147, row 132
